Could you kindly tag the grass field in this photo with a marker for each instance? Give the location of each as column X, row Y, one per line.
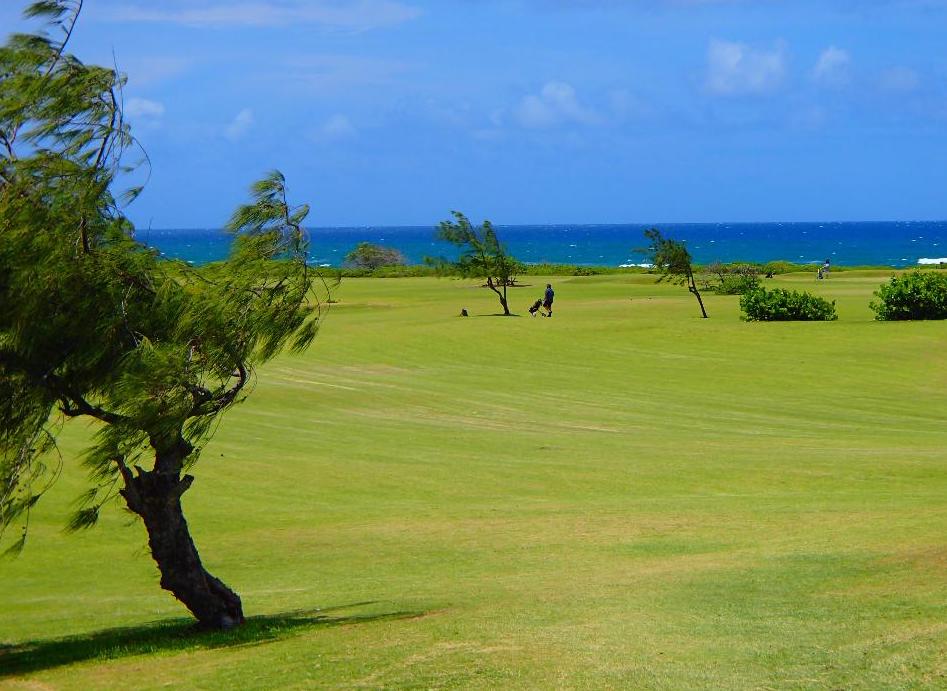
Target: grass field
column 623, row 496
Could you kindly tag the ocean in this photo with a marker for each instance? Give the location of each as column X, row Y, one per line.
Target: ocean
column 897, row 244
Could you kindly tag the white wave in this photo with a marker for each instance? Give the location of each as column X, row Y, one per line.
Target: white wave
column 631, row 266
column 927, row 260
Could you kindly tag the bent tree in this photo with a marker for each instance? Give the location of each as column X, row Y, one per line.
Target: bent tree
column 94, row 325
column 672, row 260
column 482, row 255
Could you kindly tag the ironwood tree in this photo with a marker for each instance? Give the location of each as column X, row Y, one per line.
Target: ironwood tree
column 671, row 259
column 95, row 325
column 367, row 255
column 482, row 255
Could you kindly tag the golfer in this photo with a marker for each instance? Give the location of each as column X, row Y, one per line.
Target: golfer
column 548, row 298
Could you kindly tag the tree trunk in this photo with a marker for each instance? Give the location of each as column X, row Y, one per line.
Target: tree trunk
column 693, row 288
column 156, row 497
column 502, row 296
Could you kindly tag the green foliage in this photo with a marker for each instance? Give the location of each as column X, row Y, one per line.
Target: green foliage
column 393, row 271
column 369, row 256
column 734, row 279
column 482, row 255
column 783, row 267
column 669, row 258
column 785, row 305
column 673, row 262
column 914, row 295
column 93, row 323
column 738, row 284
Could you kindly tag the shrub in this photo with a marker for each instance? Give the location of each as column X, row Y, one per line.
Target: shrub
column 783, row 267
column 584, row 271
column 369, row 256
column 785, row 305
column 915, row 295
column 731, row 279
column 738, row 284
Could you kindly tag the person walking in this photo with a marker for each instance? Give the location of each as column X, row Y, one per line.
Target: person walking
column 548, row 298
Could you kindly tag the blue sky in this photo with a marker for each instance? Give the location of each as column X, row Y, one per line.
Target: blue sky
column 391, row 112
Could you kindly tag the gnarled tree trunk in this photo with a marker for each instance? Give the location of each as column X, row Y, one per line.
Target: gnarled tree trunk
column 692, row 287
column 156, row 497
column 503, row 303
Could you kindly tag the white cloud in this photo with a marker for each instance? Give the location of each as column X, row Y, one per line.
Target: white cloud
column 833, row 68
column 338, row 127
column 736, row 68
column 240, row 125
column 354, row 15
column 556, row 104
column 901, row 79
column 143, row 109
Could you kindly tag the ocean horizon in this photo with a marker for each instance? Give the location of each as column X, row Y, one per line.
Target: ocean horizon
column 897, row 244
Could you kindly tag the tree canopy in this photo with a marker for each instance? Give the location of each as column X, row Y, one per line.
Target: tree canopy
column 671, row 259
column 367, row 255
column 95, row 325
column 482, row 255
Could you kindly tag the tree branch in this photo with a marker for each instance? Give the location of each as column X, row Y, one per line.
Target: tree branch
column 65, row 41
column 218, row 403
column 73, row 405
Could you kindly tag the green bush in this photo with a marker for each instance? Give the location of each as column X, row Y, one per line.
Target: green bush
column 785, row 305
column 915, row 295
column 396, row 271
column 783, row 267
column 738, row 284
column 584, row 271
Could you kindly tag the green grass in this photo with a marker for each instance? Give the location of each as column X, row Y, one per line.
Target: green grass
column 623, row 496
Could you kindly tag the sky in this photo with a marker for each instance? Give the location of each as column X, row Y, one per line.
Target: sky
column 395, row 112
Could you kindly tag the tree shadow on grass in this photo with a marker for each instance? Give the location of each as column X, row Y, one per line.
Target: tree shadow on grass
column 180, row 634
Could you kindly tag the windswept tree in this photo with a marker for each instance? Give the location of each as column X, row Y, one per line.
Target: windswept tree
column 482, row 255
column 94, row 325
column 367, row 255
column 671, row 259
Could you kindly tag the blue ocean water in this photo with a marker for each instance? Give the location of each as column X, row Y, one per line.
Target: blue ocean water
column 896, row 244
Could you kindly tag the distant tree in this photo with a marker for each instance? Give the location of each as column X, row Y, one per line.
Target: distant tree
column 369, row 256
column 732, row 279
column 482, row 255
column 94, row 325
column 672, row 260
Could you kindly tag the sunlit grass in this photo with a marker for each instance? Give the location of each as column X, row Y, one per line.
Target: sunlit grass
column 624, row 495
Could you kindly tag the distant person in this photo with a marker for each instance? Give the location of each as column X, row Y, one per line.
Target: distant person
column 826, row 266
column 548, row 298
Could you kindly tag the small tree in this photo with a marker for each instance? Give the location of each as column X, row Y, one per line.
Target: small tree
column 482, row 255
column 672, row 260
column 94, row 325
column 369, row 256
column 732, row 279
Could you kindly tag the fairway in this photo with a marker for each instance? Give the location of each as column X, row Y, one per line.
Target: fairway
column 622, row 496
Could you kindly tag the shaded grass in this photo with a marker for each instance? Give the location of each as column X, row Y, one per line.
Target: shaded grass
column 173, row 635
